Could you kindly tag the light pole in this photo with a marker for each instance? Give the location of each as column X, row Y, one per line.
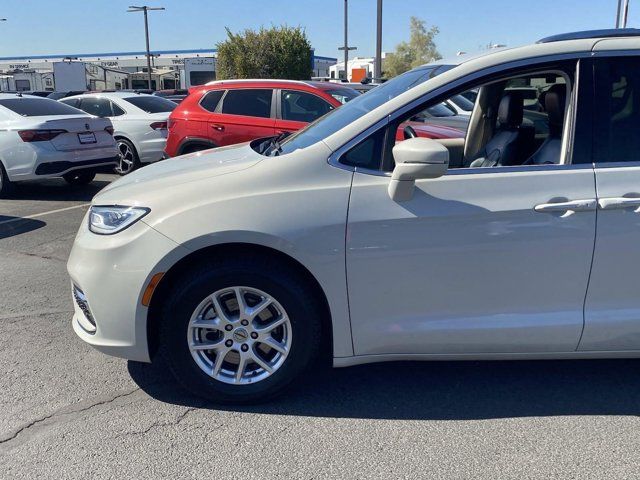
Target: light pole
column 377, row 76
column 622, row 13
column 346, row 47
column 145, row 9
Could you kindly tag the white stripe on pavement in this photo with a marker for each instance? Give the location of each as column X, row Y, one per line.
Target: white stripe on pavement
column 36, row 215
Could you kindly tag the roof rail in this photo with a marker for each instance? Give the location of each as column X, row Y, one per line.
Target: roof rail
column 604, row 33
column 249, row 80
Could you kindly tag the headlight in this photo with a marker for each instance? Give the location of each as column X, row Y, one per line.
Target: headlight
column 107, row 220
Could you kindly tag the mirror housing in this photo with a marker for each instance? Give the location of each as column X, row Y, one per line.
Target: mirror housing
column 416, row 158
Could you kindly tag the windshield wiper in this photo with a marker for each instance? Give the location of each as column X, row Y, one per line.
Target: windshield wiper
column 274, row 147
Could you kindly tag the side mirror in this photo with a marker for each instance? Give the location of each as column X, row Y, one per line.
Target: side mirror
column 416, row 158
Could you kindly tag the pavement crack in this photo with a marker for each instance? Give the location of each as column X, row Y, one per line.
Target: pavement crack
column 176, row 421
column 63, row 413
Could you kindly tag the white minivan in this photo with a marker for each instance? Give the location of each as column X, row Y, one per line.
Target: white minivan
column 242, row 264
column 41, row 138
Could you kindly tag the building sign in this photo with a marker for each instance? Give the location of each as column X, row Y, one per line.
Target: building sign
column 19, row 65
column 109, row 64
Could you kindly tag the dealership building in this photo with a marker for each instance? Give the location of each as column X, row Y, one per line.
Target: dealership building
column 171, row 62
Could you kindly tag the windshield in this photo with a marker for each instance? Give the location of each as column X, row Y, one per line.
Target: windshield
column 151, row 104
column 359, row 106
column 462, row 103
column 343, row 95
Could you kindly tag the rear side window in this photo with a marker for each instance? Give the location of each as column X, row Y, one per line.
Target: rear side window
column 302, row 106
column 151, row 103
column 73, row 102
column 617, row 101
column 100, row 107
column 38, row 107
column 211, row 99
column 249, row 102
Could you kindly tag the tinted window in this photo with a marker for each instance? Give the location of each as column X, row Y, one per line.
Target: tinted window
column 343, row 95
column 38, row 107
column 211, row 99
column 73, row 102
column 617, row 138
column 100, row 107
column 368, row 153
column 250, row 102
column 302, row 106
column 151, row 103
column 117, row 111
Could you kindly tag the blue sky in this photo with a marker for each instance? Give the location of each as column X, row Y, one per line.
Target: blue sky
column 72, row 26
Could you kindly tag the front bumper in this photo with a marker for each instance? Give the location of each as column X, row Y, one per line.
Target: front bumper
column 111, row 272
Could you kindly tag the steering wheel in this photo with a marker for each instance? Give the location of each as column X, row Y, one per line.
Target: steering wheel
column 409, row 132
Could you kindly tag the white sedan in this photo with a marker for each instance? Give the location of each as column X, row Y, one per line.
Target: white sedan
column 139, row 122
column 42, row 138
column 241, row 264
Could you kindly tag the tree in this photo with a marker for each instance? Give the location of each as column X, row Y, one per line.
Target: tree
column 420, row 49
column 277, row 52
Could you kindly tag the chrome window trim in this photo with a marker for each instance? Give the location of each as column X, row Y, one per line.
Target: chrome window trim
column 635, row 163
column 519, row 169
column 615, row 53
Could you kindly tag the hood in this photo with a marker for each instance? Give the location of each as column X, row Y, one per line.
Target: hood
column 161, row 176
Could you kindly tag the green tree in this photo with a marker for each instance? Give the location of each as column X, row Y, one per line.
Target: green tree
column 420, row 49
column 277, row 52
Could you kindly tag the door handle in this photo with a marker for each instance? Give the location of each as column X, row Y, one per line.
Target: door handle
column 219, row 128
column 573, row 205
column 613, row 203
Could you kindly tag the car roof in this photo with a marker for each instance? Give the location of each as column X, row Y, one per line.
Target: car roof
column 5, row 96
column 273, row 83
column 108, row 95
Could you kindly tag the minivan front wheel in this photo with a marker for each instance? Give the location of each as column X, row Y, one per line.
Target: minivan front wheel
column 239, row 332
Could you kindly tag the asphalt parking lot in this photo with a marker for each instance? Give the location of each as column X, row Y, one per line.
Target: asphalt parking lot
column 67, row 411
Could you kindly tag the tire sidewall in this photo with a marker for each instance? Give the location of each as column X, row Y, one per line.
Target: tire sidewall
column 136, row 159
column 178, row 311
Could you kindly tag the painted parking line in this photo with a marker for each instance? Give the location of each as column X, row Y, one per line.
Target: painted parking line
column 38, row 215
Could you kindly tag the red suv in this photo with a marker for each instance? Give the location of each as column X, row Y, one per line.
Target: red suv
column 233, row 111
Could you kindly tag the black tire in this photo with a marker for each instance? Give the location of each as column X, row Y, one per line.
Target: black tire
column 79, row 177
column 196, row 147
column 282, row 283
column 128, row 157
column 6, row 186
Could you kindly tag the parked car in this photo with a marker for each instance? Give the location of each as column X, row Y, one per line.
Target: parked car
column 175, row 95
column 41, row 138
column 139, row 123
column 341, row 241
column 233, row 111
column 39, row 93
column 69, row 93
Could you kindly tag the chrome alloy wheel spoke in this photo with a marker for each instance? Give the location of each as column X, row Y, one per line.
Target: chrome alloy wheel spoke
column 239, row 335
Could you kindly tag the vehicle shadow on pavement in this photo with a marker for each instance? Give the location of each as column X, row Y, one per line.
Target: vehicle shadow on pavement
column 11, row 226
column 438, row 390
column 56, row 189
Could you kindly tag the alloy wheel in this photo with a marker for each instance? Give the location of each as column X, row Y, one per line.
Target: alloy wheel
column 126, row 158
column 239, row 335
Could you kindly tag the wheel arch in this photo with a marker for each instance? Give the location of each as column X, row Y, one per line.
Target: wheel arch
column 229, row 249
column 194, row 142
column 120, row 136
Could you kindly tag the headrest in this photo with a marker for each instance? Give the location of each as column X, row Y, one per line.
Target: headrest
column 554, row 104
column 510, row 110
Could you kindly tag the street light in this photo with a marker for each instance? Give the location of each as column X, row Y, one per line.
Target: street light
column 145, row 9
column 346, row 46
